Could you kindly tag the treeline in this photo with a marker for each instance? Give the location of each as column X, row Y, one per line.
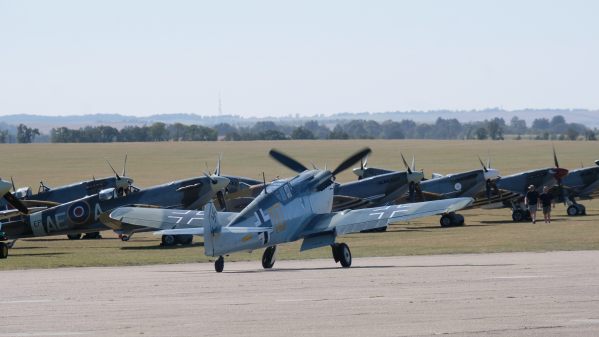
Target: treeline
column 496, row 129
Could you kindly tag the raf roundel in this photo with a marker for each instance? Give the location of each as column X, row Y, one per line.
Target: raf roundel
column 79, row 212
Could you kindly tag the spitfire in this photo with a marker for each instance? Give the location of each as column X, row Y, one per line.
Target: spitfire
column 287, row 210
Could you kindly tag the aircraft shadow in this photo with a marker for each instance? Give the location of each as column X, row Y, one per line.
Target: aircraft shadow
column 38, row 254
column 365, row 267
column 158, row 247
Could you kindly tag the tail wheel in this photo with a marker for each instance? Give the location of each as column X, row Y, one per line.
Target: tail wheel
column 268, row 258
column 3, row 250
column 572, row 210
column 219, row 264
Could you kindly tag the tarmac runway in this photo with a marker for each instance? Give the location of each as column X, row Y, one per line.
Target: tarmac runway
column 508, row 294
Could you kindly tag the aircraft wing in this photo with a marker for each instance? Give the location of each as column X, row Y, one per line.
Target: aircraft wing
column 369, row 218
column 159, row 218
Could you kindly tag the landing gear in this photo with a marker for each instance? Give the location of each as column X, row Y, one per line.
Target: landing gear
column 92, row 236
column 171, row 240
column 576, row 209
column 74, row 236
column 168, row 240
column 268, row 258
column 451, row 219
column 342, row 254
column 520, row 215
column 219, row 264
column 125, row 238
column 3, row 250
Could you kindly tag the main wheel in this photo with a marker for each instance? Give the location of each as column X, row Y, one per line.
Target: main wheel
column 74, row 236
column 3, row 250
column 517, row 215
column 219, row 264
column 168, row 240
column 124, row 238
column 581, row 209
column 572, row 210
column 184, row 239
column 446, row 220
column 344, row 255
column 458, row 220
column 268, row 258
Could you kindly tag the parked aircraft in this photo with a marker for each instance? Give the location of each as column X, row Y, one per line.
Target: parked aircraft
column 84, row 215
column 478, row 184
column 285, row 211
column 581, row 183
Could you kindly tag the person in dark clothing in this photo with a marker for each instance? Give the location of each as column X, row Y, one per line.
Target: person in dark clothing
column 531, row 200
column 547, row 201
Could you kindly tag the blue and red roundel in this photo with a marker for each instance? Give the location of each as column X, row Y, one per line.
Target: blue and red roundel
column 79, row 212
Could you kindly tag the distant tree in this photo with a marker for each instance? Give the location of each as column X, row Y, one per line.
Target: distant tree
column 232, row 136
column 590, row 135
column 224, row 128
column 319, row 131
column 495, row 129
column 338, row 133
column 572, row 133
column 26, row 134
column 4, row 136
column 302, row 133
column 272, row 135
column 541, row 124
column 157, row 132
column 391, row 130
column 481, row 134
column 518, row 125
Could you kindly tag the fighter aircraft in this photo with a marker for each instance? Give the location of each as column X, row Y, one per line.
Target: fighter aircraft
column 49, row 197
column 286, row 210
column 84, row 215
column 580, row 183
column 478, row 184
column 518, row 185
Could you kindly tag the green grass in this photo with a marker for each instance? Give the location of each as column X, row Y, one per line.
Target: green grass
column 153, row 163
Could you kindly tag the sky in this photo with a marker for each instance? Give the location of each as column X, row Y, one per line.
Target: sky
column 276, row 58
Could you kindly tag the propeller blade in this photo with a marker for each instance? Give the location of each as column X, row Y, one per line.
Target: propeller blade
column 413, row 163
column 287, row 161
column 366, row 162
column 362, row 164
column 555, row 158
column 16, row 203
column 314, row 165
column 113, row 170
column 13, row 185
column 488, row 162
column 483, row 165
column 217, row 170
column 125, row 167
column 349, row 162
column 405, row 163
column 207, row 169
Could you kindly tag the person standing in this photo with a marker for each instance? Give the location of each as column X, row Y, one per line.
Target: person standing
column 547, row 201
column 531, row 200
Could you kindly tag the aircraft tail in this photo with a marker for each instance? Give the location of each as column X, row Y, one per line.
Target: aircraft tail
column 211, row 228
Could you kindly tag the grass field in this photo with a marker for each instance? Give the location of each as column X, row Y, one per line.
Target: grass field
column 153, row 163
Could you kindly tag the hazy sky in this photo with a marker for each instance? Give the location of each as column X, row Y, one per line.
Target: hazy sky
column 286, row 57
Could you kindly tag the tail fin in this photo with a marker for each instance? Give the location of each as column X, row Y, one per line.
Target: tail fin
column 211, row 228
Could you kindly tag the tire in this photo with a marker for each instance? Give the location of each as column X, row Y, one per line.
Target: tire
column 344, row 255
column 458, row 220
column 335, row 252
column 185, row 239
column 3, row 250
column 125, row 238
column 446, row 220
column 518, row 216
column 219, row 264
column 268, row 258
column 572, row 210
column 169, row 240
column 74, row 236
column 582, row 210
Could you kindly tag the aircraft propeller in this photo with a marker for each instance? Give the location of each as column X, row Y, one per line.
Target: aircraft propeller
column 10, row 198
column 414, row 189
column 296, row 166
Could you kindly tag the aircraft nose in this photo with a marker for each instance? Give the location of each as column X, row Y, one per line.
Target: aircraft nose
column 360, row 172
column 5, row 187
column 491, row 174
column 415, row 176
column 220, row 182
column 560, row 173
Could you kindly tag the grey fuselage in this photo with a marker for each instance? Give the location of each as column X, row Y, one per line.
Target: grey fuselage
column 82, row 215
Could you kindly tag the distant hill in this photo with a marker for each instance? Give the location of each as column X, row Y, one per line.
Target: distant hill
column 590, row 118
